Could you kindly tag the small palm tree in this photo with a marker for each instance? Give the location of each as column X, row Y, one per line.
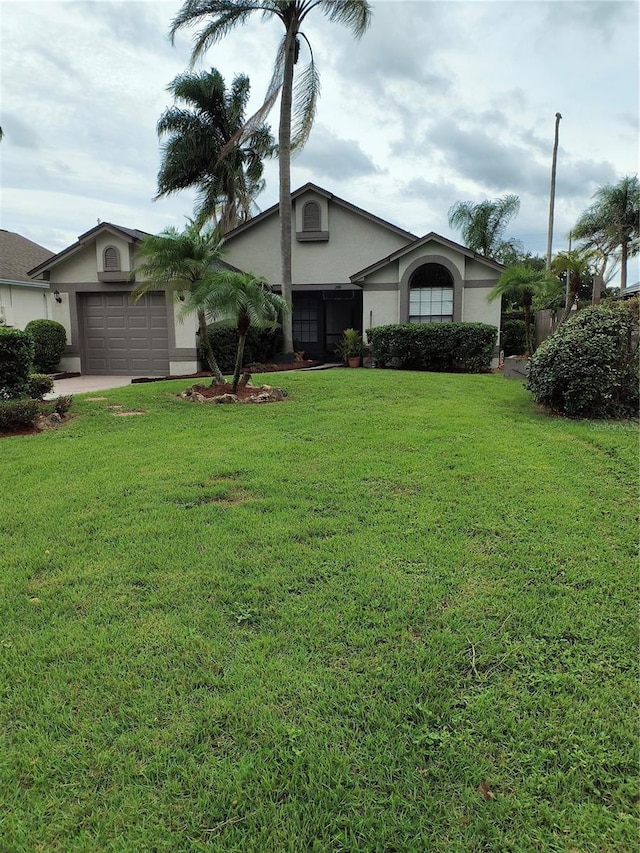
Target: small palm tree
column 241, row 298
column 202, row 147
column 577, row 266
column 482, row 225
column 181, row 261
column 297, row 102
column 521, row 284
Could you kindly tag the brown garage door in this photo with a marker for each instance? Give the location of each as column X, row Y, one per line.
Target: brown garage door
column 123, row 337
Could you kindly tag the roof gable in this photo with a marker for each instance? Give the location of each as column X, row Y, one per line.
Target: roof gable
column 422, row 241
column 131, row 235
column 334, row 199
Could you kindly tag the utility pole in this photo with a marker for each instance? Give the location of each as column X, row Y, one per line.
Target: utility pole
column 552, row 194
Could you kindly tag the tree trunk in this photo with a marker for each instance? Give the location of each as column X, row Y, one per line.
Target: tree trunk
column 528, row 327
column 552, row 193
column 242, row 337
column 205, row 343
column 284, row 163
column 623, row 267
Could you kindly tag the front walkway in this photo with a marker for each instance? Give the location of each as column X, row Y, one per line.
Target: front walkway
column 84, row 384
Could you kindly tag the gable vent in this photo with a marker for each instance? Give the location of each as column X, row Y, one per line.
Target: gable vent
column 311, row 216
column 111, row 259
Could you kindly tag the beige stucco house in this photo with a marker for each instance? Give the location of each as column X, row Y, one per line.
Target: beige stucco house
column 22, row 298
column 107, row 332
column 350, row 269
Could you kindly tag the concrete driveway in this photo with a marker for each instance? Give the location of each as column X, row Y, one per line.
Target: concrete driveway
column 83, row 384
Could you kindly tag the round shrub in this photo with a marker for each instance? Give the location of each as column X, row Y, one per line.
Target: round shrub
column 39, row 385
column 589, row 367
column 49, row 339
column 16, row 355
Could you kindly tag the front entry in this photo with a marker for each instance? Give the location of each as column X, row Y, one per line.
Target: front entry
column 319, row 318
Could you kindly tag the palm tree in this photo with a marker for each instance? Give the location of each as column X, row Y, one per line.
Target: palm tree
column 180, row 261
column 203, row 149
column 239, row 297
column 482, row 225
column 297, row 103
column 612, row 222
column 521, row 284
column 577, row 266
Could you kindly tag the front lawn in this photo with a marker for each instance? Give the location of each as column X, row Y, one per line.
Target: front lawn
column 397, row 612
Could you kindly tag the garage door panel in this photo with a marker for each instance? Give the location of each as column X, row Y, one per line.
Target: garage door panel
column 118, row 322
column 116, row 300
column 95, row 322
column 139, row 322
column 135, row 339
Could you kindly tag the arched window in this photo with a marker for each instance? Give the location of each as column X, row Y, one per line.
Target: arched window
column 311, row 216
column 111, row 259
column 431, row 295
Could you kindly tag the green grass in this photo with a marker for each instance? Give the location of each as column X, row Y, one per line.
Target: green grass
column 320, row 625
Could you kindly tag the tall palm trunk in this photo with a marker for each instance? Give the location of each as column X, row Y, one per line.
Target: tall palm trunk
column 284, row 157
column 623, row 267
column 527, row 302
column 552, row 193
column 205, row 343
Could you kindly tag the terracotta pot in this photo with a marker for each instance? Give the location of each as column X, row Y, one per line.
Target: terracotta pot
column 354, row 360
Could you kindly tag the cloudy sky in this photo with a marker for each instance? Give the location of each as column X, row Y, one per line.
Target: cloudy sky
column 439, row 101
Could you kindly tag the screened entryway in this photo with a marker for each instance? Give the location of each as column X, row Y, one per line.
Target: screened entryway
column 319, row 318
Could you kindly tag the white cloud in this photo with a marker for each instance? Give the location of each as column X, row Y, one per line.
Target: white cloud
column 439, row 101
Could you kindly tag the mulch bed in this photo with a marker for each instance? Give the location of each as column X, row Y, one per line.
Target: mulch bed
column 255, row 368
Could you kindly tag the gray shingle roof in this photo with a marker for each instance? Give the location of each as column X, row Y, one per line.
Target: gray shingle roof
column 18, row 255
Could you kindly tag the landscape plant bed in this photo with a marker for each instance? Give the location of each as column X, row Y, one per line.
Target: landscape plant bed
column 225, row 393
column 398, row 613
column 255, row 368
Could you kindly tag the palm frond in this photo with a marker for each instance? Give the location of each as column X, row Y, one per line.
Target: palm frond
column 354, row 14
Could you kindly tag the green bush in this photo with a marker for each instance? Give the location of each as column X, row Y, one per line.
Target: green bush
column 50, row 339
column 513, row 338
column 62, row 404
column 450, row 347
column 589, row 367
column 261, row 345
column 18, row 414
column 39, row 385
column 16, row 355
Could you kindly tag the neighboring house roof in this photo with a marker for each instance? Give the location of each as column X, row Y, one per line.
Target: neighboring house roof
column 632, row 288
column 273, row 211
column 131, row 235
column 18, row 255
column 430, row 237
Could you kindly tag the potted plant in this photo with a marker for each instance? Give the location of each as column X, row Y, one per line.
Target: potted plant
column 350, row 347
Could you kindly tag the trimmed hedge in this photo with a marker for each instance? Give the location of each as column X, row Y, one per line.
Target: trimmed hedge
column 513, row 337
column 16, row 355
column 18, row 414
column 50, row 339
column 439, row 347
column 261, row 345
column 39, row 385
column 589, row 368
